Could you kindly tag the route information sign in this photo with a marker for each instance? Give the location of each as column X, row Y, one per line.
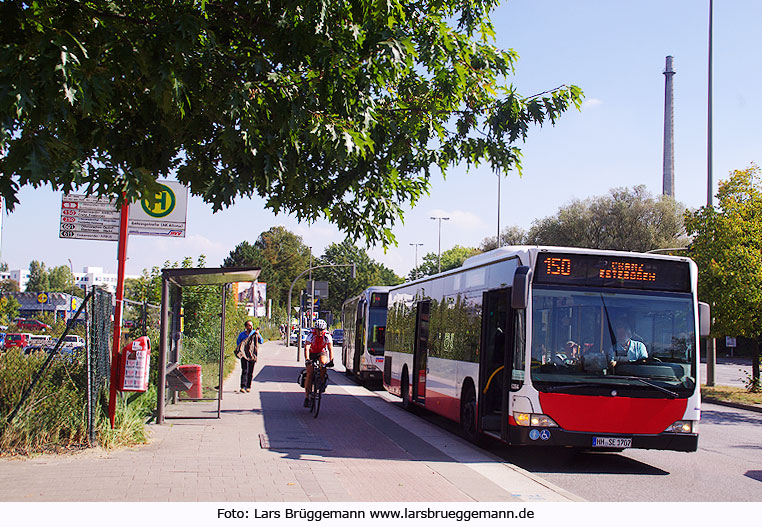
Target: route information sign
column 92, row 218
column 88, row 218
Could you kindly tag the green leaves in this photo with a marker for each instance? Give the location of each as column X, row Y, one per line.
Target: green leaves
column 307, row 104
column 727, row 247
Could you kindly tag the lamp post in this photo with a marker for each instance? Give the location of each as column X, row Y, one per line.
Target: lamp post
column 711, row 355
column 439, row 241
column 416, row 245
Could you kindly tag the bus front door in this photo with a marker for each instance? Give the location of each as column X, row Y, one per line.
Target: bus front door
column 496, row 343
column 421, row 351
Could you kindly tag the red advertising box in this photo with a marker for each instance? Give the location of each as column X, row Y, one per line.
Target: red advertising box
column 135, row 361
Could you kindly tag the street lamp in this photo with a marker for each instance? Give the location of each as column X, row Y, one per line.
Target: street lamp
column 416, row 245
column 439, row 242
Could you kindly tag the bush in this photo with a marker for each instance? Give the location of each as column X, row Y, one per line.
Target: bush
column 55, row 413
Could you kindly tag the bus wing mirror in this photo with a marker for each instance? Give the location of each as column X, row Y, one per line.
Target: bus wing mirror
column 520, row 292
column 705, row 319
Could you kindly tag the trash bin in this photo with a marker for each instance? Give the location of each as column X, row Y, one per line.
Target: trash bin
column 193, row 373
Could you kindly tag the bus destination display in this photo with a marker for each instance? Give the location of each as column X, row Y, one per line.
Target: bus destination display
column 594, row 270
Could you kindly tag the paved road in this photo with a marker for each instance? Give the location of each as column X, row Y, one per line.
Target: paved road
column 727, row 466
column 729, row 371
column 268, row 448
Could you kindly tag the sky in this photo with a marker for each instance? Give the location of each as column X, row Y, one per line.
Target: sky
column 614, row 51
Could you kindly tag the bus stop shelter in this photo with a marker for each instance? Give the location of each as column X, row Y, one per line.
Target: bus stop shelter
column 171, row 306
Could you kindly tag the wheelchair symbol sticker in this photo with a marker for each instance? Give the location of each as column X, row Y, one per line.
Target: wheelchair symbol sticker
column 545, row 435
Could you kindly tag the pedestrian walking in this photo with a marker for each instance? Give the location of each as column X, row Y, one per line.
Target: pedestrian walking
column 246, row 350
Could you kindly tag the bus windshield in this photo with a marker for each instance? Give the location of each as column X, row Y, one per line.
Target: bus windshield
column 376, row 330
column 589, row 341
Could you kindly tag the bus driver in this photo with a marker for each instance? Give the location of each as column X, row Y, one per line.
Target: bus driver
column 626, row 347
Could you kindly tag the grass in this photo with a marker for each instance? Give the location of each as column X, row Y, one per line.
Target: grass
column 730, row 394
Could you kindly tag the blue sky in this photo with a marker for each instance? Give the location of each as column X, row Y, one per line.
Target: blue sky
column 615, row 51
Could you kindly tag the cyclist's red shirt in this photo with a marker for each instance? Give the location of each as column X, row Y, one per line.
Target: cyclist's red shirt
column 318, row 343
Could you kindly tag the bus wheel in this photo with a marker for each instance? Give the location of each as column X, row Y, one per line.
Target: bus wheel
column 405, row 387
column 468, row 416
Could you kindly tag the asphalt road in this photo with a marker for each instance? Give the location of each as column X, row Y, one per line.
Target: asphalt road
column 731, row 372
column 726, row 467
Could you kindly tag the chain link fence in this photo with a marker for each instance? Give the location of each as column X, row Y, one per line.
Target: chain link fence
column 51, row 395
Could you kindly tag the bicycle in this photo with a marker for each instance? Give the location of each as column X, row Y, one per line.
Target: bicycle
column 318, row 372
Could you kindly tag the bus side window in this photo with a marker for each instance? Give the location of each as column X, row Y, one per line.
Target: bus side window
column 519, row 349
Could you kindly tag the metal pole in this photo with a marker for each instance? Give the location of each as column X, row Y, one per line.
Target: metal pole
column 711, row 355
column 416, row 258
column 121, row 258
column 439, row 241
column 497, row 240
column 222, row 348
column 309, row 323
column 163, row 333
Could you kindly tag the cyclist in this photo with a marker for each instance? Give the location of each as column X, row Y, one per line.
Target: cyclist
column 317, row 346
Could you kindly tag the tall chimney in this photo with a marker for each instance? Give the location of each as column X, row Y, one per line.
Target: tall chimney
column 669, row 132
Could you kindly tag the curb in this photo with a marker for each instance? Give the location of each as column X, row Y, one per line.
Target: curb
column 740, row 406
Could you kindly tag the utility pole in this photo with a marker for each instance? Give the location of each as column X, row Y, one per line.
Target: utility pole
column 439, row 242
column 416, row 245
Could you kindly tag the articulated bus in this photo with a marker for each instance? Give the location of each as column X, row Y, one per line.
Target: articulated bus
column 554, row 346
column 364, row 321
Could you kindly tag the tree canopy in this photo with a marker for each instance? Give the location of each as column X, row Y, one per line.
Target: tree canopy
column 341, row 285
column 727, row 247
column 625, row 219
column 335, row 110
column 450, row 259
column 281, row 255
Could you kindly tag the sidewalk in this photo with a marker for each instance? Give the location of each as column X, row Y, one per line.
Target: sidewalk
column 268, row 448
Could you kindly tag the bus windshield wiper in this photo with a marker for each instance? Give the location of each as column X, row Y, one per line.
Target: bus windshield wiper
column 560, row 387
column 672, row 395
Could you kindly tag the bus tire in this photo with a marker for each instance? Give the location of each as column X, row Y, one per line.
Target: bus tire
column 468, row 415
column 405, row 388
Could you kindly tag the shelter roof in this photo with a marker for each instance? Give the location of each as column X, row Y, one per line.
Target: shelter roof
column 210, row 275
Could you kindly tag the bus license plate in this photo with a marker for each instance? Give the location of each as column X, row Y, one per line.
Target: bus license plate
column 612, row 442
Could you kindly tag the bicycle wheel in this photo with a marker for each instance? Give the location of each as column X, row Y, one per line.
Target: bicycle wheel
column 318, row 397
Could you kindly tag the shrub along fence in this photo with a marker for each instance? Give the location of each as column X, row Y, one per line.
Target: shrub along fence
column 54, row 396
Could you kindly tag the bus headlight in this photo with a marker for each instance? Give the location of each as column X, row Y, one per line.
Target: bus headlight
column 683, row 427
column 539, row 420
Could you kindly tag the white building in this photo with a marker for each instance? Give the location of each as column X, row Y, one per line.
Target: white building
column 91, row 276
column 19, row 275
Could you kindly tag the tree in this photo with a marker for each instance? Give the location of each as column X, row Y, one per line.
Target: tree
column 450, row 259
column 511, row 235
column 9, row 286
column 38, row 277
column 9, row 309
column 727, row 247
column 325, row 109
column 281, row 255
column 626, row 220
column 61, row 279
column 341, row 285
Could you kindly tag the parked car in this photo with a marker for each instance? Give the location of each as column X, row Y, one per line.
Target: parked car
column 305, row 332
column 2, row 339
column 30, row 323
column 338, row 336
column 40, row 340
column 73, row 340
column 18, row 340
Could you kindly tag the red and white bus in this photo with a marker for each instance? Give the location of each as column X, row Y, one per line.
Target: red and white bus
column 554, row 346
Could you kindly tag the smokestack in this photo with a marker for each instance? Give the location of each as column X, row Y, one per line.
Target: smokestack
column 668, row 172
